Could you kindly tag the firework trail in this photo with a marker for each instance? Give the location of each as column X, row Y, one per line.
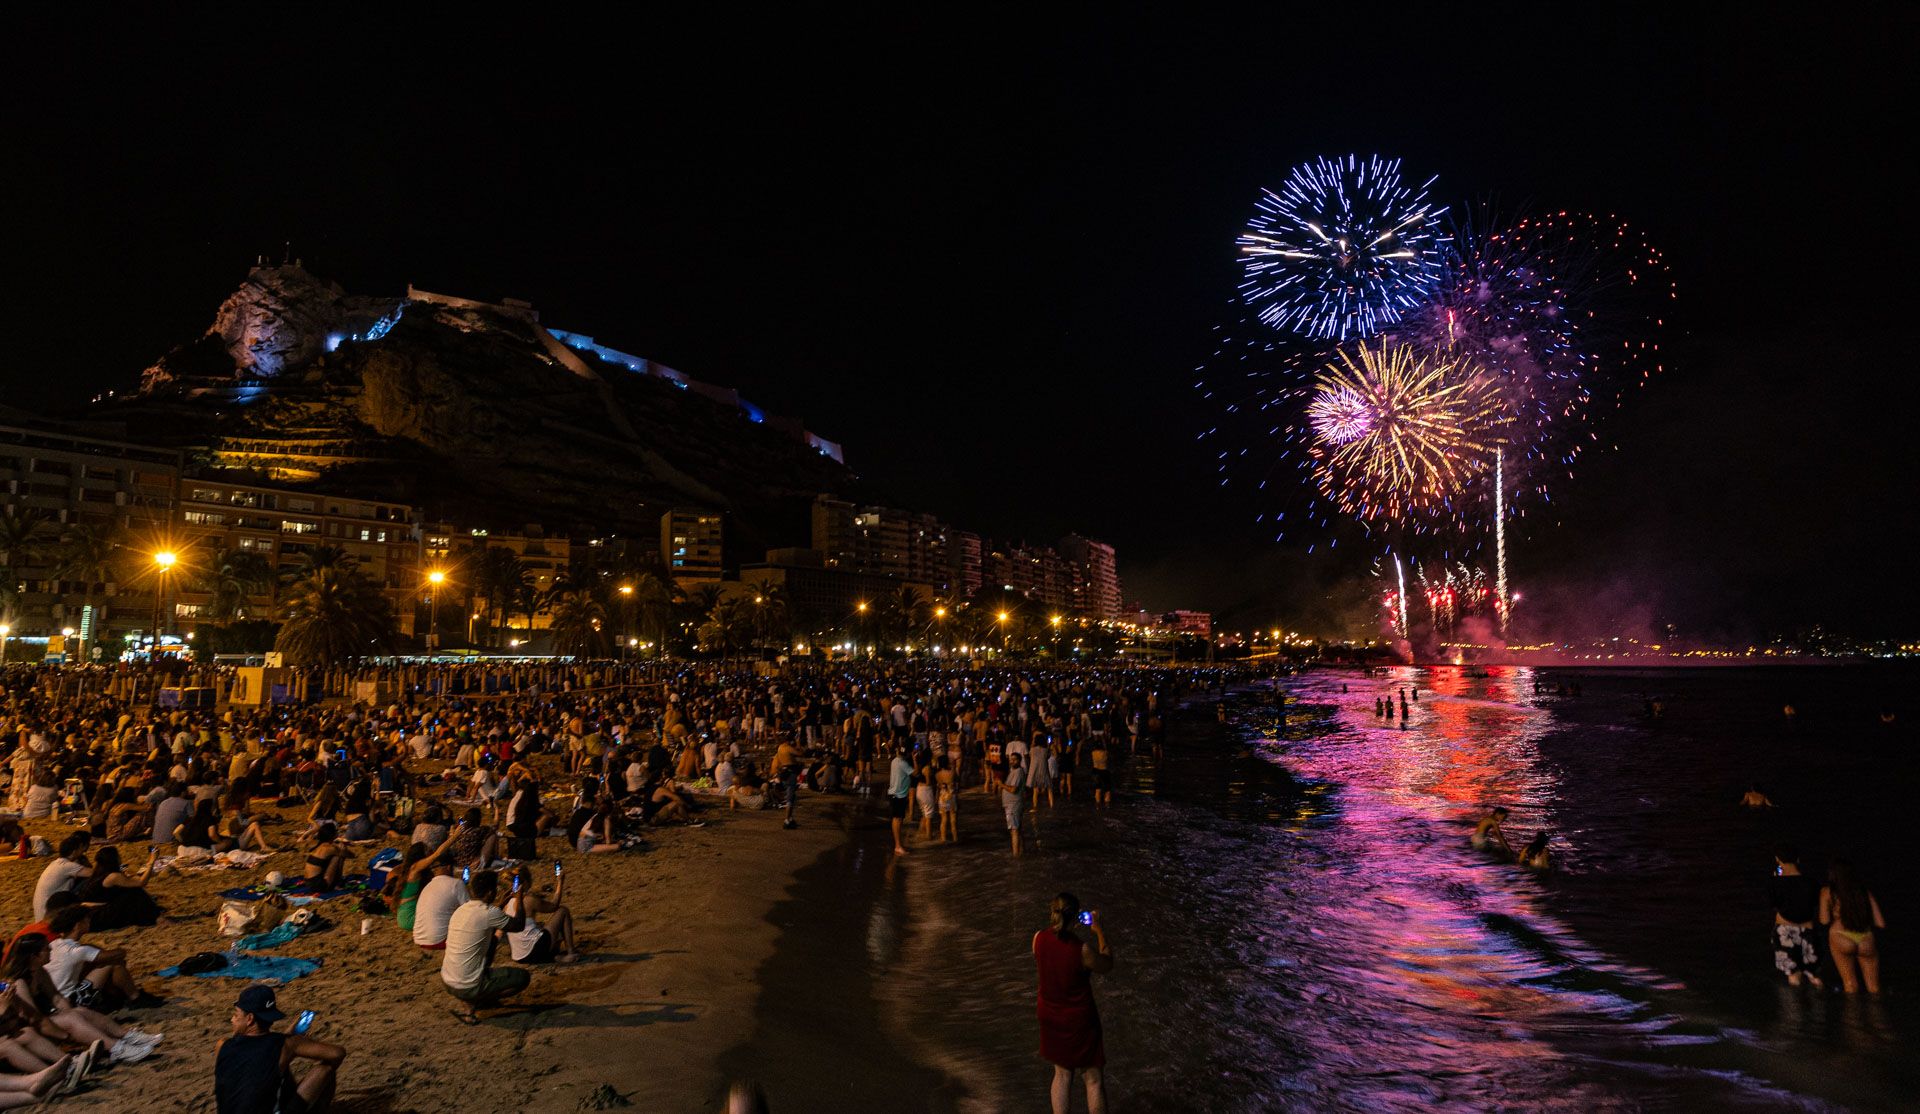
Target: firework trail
column 1343, row 249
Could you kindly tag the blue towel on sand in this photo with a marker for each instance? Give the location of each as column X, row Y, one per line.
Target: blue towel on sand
column 271, row 938
column 258, row 968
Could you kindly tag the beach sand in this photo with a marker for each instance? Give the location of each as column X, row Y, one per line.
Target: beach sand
column 664, row 1010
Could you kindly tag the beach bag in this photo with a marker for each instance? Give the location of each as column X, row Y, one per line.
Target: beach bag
column 202, row 962
column 381, row 865
column 236, row 918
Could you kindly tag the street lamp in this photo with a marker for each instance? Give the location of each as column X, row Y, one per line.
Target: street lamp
column 164, row 561
column 434, row 580
column 626, row 609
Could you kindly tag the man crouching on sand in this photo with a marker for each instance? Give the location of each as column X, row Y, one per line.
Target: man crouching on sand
column 467, row 969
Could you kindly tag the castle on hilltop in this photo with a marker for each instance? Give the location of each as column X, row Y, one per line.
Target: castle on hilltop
column 283, row 318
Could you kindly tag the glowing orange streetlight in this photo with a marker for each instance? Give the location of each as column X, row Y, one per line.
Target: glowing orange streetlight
column 435, row 578
column 164, row 561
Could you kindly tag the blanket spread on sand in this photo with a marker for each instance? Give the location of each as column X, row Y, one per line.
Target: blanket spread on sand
column 350, row 885
column 272, row 938
column 258, row 968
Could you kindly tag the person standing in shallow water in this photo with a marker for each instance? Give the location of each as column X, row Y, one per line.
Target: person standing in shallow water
column 1852, row 914
column 1071, row 1038
column 1794, row 905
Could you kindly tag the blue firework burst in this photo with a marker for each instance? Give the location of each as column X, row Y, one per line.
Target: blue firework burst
column 1343, row 249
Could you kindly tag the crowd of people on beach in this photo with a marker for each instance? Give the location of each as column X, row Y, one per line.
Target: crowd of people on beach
column 434, row 799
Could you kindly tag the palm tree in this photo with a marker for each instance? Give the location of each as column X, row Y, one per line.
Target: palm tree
column 90, row 554
column 24, row 537
column 331, row 611
column 652, row 604
column 907, row 611
column 729, row 624
column 500, row 575
column 232, row 576
column 580, row 619
column 773, row 614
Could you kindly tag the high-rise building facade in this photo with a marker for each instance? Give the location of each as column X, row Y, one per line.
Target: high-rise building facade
column 691, row 544
column 882, row 541
column 1096, row 588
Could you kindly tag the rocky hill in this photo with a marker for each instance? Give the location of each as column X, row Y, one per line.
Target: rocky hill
column 474, row 411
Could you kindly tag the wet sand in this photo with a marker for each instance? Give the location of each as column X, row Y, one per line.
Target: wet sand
column 820, row 1041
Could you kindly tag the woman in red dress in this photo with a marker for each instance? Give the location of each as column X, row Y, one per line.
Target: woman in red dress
column 1070, row 1037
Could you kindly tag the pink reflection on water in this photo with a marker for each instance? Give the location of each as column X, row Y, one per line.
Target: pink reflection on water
column 1412, row 916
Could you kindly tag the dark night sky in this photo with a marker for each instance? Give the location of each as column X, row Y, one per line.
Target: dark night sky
column 988, row 256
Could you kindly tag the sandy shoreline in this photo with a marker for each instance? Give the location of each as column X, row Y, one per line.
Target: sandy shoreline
column 675, row 936
column 736, row 951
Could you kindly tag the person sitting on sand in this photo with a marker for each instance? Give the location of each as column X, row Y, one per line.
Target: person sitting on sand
column 527, row 814
column 1535, row 856
column 325, row 810
column 40, row 1070
column 1488, row 835
column 326, row 861
column 242, row 831
column 41, row 1005
column 597, row 826
column 541, row 941
column 404, row 885
column 174, row 809
column 120, row 899
column 66, row 872
column 666, row 805
column 87, row 975
column 128, row 817
column 467, row 970
column 443, row 893
column 747, row 792
column 474, row 843
column 433, row 828
column 252, row 1066
column 1753, row 798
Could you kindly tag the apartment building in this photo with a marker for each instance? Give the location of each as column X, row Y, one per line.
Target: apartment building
column 1096, row 576
column 691, row 544
column 283, row 526
column 84, row 481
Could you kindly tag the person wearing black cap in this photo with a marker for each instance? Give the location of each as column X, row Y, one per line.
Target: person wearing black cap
column 252, row 1068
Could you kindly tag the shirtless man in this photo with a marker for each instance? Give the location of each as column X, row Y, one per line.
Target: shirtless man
column 1487, row 835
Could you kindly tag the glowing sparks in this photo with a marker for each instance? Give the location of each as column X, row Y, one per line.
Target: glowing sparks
column 1342, row 249
column 1400, row 433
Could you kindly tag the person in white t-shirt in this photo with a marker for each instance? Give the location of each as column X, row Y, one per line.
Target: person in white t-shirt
column 434, row 910
column 84, row 974
column 63, row 873
column 467, row 968
column 548, row 941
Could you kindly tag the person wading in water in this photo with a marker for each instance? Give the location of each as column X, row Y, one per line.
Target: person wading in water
column 1070, row 1035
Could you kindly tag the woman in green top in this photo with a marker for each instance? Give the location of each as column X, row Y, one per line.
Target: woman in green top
column 404, row 885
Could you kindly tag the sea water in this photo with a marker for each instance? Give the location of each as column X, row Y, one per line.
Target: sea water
column 1301, row 924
